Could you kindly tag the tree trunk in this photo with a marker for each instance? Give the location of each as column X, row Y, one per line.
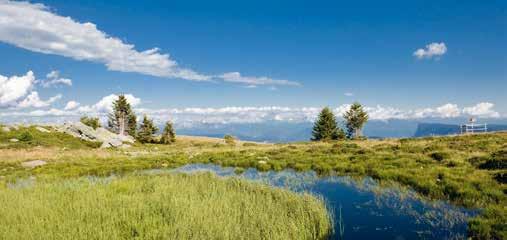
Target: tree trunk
column 121, row 123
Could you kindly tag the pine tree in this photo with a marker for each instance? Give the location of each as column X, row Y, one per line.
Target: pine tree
column 146, row 130
column 168, row 136
column 326, row 128
column 355, row 118
column 122, row 120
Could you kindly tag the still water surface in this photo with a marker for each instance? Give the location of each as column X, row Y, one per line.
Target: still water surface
column 368, row 211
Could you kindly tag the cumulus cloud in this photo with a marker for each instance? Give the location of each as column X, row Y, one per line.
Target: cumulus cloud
column 483, row 109
column 227, row 115
column 34, row 27
column 33, row 100
column 71, row 105
column 16, row 92
column 54, row 79
column 348, row 94
column 13, row 89
column 445, row 111
column 236, row 77
column 431, row 50
column 105, row 104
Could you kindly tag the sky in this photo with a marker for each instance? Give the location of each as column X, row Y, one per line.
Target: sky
column 244, row 60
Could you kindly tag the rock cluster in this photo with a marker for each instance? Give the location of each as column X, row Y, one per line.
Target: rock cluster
column 87, row 133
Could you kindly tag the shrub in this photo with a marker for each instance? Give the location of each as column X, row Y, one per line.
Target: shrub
column 439, row 156
column 498, row 160
column 25, row 136
column 250, row 144
column 90, row 121
column 501, row 177
column 477, row 160
column 494, row 164
column 230, row 140
column 452, row 164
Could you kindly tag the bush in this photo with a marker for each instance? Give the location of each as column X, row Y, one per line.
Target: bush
column 439, row 156
column 477, row 160
column 501, row 177
column 90, row 121
column 247, row 144
column 498, row 160
column 230, row 140
column 25, row 136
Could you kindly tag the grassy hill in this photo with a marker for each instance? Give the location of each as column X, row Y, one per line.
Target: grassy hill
column 467, row 170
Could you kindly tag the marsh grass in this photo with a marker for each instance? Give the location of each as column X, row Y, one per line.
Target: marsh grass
column 174, row 206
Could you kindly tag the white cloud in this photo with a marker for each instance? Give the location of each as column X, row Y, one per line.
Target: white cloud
column 445, row 111
column 105, row 105
column 431, row 50
column 348, row 94
column 236, row 77
column 227, row 115
column 13, row 89
column 71, row 105
column 54, row 79
column 34, row 27
column 17, row 92
column 483, row 109
column 33, row 101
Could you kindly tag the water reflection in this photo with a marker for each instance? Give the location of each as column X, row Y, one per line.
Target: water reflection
column 368, row 210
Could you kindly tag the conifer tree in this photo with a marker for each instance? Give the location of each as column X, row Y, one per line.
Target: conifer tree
column 122, row 120
column 168, row 136
column 355, row 118
column 146, row 130
column 326, row 128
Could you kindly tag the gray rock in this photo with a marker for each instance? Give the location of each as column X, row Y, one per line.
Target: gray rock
column 13, row 140
column 34, row 163
column 87, row 133
column 41, row 129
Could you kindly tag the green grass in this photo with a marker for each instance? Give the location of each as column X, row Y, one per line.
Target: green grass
column 174, row 206
column 29, row 136
column 466, row 170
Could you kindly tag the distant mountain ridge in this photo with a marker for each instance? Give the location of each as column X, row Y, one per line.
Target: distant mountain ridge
column 281, row 131
column 431, row 129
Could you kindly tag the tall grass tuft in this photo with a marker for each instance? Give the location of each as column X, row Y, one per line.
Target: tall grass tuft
column 176, row 206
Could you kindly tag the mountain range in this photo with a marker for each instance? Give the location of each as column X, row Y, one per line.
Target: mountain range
column 281, row 131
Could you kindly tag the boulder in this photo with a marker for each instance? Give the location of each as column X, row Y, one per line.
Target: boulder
column 13, row 140
column 87, row 133
column 6, row 129
column 41, row 129
column 34, row 163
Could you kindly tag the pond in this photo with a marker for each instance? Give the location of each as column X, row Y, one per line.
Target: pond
column 361, row 209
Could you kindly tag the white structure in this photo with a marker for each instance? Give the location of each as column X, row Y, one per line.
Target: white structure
column 473, row 127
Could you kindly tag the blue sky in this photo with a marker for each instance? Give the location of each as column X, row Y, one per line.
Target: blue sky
column 329, row 48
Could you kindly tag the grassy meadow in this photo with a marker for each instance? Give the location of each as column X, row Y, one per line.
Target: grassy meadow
column 468, row 171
